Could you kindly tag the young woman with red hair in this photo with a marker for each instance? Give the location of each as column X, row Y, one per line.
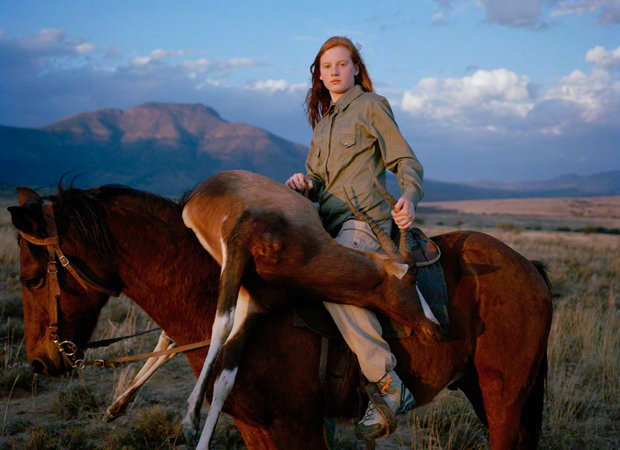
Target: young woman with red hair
column 354, row 129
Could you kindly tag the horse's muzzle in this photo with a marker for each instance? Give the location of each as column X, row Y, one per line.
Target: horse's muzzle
column 47, row 367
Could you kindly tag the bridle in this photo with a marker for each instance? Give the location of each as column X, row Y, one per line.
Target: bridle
column 52, row 244
column 66, row 348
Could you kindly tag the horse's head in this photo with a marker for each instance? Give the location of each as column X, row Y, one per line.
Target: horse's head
column 63, row 242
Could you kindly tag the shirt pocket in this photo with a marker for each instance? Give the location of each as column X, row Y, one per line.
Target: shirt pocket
column 347, row 144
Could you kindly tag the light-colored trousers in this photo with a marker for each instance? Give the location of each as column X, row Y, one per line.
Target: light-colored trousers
column 359, row 327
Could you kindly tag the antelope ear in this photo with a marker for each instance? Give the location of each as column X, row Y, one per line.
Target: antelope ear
column 24, row 220
column 395, row 268
column 25, row 193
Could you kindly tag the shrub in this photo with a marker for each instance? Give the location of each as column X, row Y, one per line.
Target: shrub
column 76, row 401
column 154, row 428
column 589, row 230
column 505, row 226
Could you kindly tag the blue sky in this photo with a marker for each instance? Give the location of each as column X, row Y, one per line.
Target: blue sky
column 482, row 89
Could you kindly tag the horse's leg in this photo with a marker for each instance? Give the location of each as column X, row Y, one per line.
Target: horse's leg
column 299, row 432
column 233, row 265
column 509, row 394
column 255, row 438
column 470, row 386
column 246, row 316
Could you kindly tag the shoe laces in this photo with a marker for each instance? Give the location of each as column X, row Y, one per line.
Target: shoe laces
column 370, row 412
column 385, row 385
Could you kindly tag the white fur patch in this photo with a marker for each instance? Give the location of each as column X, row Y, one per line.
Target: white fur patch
column 221, row 325
column 245, row 307
column 427, row 309
column 202, row 239
column 224, row 253
column 222, row 387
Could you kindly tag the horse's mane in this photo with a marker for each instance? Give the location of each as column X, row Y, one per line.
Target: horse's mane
column 88, row 211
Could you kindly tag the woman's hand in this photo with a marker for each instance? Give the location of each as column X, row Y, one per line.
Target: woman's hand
column 403, row 213
column 300, row 183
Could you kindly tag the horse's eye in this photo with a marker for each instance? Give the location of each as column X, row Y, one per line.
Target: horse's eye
column 34, row 283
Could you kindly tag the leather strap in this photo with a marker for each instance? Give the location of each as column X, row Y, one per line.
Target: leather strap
column 113, row 362
column 375, row 397
column 323, row 359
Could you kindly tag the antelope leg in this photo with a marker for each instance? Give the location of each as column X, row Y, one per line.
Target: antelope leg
column 234, row 262
column 117, row 409
column 246, row 316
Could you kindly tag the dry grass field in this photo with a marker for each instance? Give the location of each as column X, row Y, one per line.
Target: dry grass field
column 583, row 398
column 530, row 213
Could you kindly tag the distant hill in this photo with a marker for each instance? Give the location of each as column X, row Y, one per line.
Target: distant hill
column 160, row 147
column 168, row 148
column 571, row 185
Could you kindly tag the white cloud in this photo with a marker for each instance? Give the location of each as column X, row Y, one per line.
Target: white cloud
column 597, row 95
column 522, row 13
column 439, row 18
column 85, row 48
column 51, row 35
column 161, row 54
column 485, row 95
column 603, row 58
column 609, row 9
column 531, row 13
column 141, row 60
column 218, row 66
column 272, row 86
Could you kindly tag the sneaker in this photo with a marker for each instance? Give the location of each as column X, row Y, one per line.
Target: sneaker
column 397, row 397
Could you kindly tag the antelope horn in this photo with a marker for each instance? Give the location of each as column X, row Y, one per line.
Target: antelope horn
column 404, row 247
column 386, row 241
column 386, row 195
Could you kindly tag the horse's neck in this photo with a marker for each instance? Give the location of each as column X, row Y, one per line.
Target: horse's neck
column 169, row 275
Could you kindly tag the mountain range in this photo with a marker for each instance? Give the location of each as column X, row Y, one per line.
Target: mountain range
column 168, row 148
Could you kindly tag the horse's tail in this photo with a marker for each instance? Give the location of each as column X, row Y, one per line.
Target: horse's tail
column 532, row 412
column 542, row 270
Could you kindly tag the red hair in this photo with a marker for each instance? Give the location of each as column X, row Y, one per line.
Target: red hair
column 318, row 98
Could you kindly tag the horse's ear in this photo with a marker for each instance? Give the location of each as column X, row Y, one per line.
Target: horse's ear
column 24, row 220
column 25, row 193
column 397, row 269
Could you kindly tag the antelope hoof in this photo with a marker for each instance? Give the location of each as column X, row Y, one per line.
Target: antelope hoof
column 190, row 429
column 112, row 414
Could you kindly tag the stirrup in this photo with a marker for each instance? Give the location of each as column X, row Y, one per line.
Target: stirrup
column 382, row 408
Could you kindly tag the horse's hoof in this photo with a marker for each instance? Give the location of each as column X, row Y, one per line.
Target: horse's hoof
column 190, row 431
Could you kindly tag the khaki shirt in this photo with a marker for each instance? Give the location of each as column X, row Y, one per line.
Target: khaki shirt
column 359, row 131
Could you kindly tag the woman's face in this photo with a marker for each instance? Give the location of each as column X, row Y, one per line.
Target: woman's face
column 337, row 71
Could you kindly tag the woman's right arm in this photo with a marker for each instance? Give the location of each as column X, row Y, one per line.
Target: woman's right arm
column 300, row 183
column 309, row 185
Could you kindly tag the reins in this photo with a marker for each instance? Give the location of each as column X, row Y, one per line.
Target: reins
column 66, row 348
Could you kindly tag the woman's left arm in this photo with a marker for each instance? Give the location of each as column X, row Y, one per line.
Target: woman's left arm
column 399, row 159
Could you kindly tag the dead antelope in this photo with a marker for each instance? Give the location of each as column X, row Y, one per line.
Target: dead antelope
column 270, row 243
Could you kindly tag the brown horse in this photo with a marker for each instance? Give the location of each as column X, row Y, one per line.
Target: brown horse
column 122, row 239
